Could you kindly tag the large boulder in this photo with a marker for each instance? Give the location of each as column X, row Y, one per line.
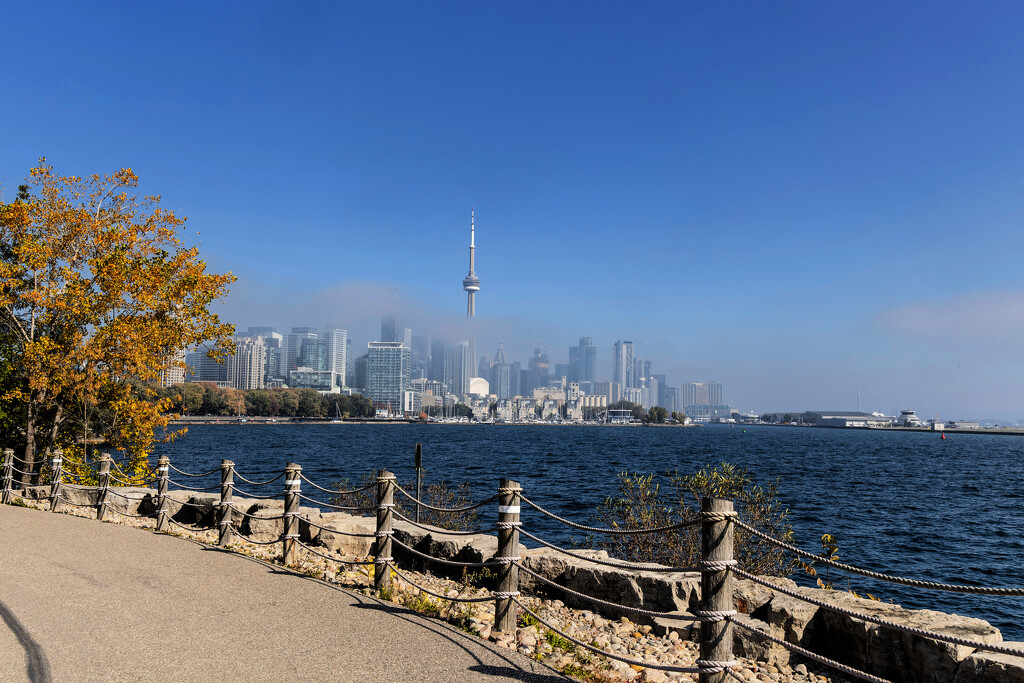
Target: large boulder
column 890, row 652
column 341, row 539
column 991, row 667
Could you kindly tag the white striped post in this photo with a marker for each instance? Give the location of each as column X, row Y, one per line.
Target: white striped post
column 103, row 462
column 227, row 481
column 382, row 552
column 8, row 485
column 163, row 473
column 290, row 549
column 508, row 545
column 57, row 468
column 716, row 590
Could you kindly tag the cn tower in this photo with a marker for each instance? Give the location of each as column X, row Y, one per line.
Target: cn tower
column 471, row 284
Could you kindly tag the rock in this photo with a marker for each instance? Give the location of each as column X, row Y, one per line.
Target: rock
column 652, row 676
column 755, row 647
column 357, row 546
column 888, row 652
column 992, row 667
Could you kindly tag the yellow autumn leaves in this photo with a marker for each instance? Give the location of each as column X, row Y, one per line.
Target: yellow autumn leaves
column 99, row 297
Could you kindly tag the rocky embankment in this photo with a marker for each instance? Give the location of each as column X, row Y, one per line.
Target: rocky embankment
column 880, row 650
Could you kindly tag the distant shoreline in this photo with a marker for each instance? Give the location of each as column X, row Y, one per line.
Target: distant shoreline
column 204, row 420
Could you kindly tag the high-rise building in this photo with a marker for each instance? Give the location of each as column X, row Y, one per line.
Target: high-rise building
column 442, row 364
column 246, row 368
column 391, row 329
column 483, row 368
column 462, row 369
column 360, row 372
column 420, row 354
column 515, row 375
column 387, row 373
column 336, row 353
column 205, row 369
column 500, row 376
column 583, row 364
column 293, row 346
column 700, row 393
column 622, row 364
column 175, row 372
column 539, row 371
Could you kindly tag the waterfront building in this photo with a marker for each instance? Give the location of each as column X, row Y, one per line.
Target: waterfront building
column 321, row 381
column 705, row 412
column 361, row 371
column 701, row 393
column 202, row 368
column 246, row 368
column 622, row 365
column 387, row 373
column 174, row 373
column 336, row 353
column 293, row 343
column 633, row 395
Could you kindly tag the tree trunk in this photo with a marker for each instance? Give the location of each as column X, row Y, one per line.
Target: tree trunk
column 30, row 445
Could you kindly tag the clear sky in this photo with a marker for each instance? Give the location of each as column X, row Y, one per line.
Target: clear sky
column 798, row 200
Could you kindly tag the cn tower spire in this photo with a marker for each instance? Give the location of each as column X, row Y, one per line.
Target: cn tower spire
column 471, row 283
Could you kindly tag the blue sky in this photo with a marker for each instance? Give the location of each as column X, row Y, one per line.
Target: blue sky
column 799, row 200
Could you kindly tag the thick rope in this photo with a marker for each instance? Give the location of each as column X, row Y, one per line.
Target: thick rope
column 335, row 492
column 614, row 605
column 453, row 563
column 605, row 530
column 246, row 494
column 955, row 588
column 617, row 563
column 439, row 530
column 127, row 514
column 610, row 655
column 203, row 489
column 336, row 507
column 416, row 500
column 333, row 559
column 839, row 666
column 190, row 474
column 883, row 622
column 412, row 583
column 258, row 483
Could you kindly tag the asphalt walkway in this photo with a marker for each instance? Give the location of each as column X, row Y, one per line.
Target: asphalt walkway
column 89, row 601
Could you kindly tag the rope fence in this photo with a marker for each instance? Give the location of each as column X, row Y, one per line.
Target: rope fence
column 718, row 523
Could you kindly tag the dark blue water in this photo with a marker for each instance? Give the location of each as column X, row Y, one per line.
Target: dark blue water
column 899, row 502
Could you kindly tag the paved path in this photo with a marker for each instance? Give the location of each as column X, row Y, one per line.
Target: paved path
column 87, row 601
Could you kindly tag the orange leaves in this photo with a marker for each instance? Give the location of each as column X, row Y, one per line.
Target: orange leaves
column 104, row 292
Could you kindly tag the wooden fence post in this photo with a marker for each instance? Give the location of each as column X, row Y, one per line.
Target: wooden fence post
column 716, row 590
column 163, row 473
column 104, row 485
column 8, row 485
column 292, row 472
column 508, row 545
column 382, row 554
column 227, row 481
column 57, row 466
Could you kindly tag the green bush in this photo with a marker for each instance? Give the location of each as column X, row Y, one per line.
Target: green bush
column 642, row 502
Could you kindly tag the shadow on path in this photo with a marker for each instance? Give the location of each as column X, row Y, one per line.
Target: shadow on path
column 514, row 670
column 36, row 665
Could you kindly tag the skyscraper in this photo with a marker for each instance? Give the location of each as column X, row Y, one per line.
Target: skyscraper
column 622, row 364
column 336, row 353
column 387, row 373
column 293, row 346
column 583, row 364
column 245, row 369
column 500, row 377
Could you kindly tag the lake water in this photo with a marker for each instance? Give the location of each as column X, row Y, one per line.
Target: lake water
column 900, row 502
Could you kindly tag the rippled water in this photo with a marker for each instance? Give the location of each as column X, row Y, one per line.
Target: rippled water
column 899, row 502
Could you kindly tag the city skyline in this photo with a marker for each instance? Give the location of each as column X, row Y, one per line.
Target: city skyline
column 798, row 201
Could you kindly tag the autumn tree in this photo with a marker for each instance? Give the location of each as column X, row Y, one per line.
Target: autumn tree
column 100, row 296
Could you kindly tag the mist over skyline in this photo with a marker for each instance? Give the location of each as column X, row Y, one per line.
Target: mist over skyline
column 795, row 201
